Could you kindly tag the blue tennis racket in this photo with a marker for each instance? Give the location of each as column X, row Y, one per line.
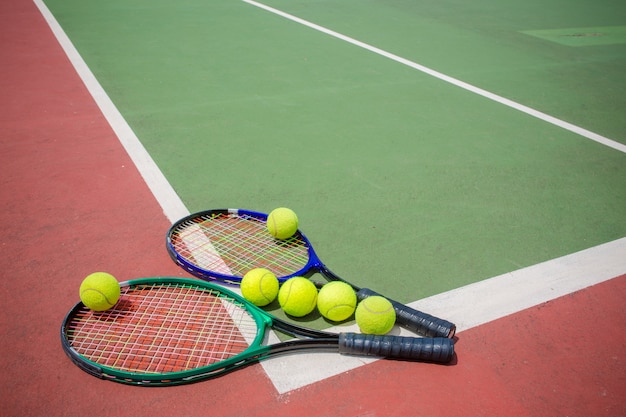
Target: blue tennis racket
column 225, row 244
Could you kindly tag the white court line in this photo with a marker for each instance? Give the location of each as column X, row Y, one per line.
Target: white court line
column 491, row 96
column 171, row 203
column 471, row 306
column 468, row 306
column 202, row 250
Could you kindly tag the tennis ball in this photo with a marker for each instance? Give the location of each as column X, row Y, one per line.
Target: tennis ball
column 259, row 286
column 297, row 296
column 282, row 223
column 99, row 291
column 336, row 301
column 375, row 315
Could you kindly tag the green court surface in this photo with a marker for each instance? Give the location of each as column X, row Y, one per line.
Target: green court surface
column 607, row 35
column 404, row 183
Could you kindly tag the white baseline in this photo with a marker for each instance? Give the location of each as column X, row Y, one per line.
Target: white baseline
column 491, row 96
column 171, row 203
column 471, row 306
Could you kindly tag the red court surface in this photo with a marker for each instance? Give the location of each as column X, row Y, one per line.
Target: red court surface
column 73, row 203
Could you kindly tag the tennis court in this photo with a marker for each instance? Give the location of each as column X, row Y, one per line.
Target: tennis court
column 468, row 160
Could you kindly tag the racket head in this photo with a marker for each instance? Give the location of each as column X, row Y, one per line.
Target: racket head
column 225, row 244
column 166, row 331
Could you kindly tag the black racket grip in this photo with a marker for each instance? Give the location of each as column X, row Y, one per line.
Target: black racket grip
column 437, row 349
column 416, row 321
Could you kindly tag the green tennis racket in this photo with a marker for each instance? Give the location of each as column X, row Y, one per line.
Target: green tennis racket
column 171, row 331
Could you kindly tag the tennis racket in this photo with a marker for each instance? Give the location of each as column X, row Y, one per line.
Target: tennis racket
column 171, row 331
column 225, row 244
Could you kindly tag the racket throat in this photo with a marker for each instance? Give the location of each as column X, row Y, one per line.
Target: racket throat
column 328, row 344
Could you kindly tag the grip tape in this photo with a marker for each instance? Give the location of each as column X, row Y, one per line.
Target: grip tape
column 416, row 321
column 438, row 349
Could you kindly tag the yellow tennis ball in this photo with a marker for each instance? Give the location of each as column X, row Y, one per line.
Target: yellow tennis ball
column 99, row 291
column 336, row 301
column 375, row 315
column 282, row 223
column 297, row 296
column 259, row 286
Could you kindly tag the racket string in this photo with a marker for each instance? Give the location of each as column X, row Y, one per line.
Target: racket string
column 163, row 330
column 240, row 242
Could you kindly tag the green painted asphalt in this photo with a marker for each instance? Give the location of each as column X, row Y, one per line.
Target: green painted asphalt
column 404, row 183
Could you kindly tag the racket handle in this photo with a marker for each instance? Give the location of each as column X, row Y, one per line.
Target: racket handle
column 438, row 349
column 416, row 321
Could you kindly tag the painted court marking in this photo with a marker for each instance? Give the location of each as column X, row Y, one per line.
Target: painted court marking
column 471, row 306
column 202, row 250
column 468, row 306
column 476, row 90
column 171, row 203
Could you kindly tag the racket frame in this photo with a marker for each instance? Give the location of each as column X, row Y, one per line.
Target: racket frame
column 414, row 320
column 253, row 353
column 440, row 350
column 313, row 263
